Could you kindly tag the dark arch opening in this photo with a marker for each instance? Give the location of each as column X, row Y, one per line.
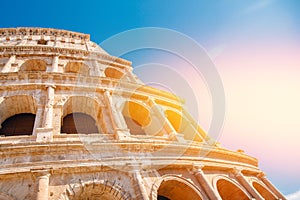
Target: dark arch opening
column 20, row 124
column 229, row 191
column 263, row 191
column 79, row 123
column 162, row 198
column 176, row 190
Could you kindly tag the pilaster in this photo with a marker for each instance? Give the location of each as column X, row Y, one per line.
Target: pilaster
column 208, row 189
column 242, row 180
column 55, row 63
column 268, row 183
column 140, row 182
column 118, row 125
column 7, row 66
column 42, row 177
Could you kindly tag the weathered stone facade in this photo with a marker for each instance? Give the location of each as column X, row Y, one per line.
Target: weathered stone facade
column 77, row 124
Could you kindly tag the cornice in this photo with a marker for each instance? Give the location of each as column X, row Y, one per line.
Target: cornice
column 48, row 50
column 42, row 31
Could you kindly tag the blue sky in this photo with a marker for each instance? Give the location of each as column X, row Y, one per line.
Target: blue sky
column 232, row 31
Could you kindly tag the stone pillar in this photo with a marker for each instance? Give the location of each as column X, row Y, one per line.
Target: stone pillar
column 55, row 63
column 48, row 116
column 7, row 66
column 242, row 180
column 167, row 125
column 56, row 124
column 271, row 186
column 141, row 185
column 38, row 118
column 45, row 133
column 209, row 191
column 42, row 177
column 195, row 125
column 118, row 124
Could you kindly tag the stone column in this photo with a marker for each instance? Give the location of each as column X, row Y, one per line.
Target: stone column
column 271, row 186
column 118, row 124
column 38, row 117
column 242, row 180
column 209, row 191
column 167, row 125
column 202, row 133
column 45, row 133
column 130, row 75
column 141, row 185
column 48, row 116
column 55, row 63
column 42, row 177
column 7, row 66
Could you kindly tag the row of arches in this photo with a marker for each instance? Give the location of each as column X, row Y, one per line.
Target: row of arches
column 23, row 124
column 81, row 114
column 180, row 189
column 169, row 187
column 73, row 67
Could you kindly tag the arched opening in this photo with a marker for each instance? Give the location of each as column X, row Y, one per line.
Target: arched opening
column 5, row 197
column 20, row 124
column 183, row 126
column 34, row 65
column 136, row 117
column 77, row 68
column 79, row 123
column 265, row 193
column 81, row 115
column 113, row 73
column 17, row 113
column 230, row 191
column 175, row 119
column 177, row 190
column 97, row 192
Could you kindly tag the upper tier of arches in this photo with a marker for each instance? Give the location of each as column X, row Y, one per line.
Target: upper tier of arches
column 82, row 114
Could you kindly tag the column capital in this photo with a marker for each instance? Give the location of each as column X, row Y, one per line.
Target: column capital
column 261, row 175
column 50, row 85
column 196, row 168
column 41, row 171
column 237, row 171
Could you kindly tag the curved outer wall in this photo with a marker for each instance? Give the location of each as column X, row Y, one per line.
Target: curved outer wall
column 98, row 133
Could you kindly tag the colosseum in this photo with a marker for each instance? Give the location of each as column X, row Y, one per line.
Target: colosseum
column 76, row 123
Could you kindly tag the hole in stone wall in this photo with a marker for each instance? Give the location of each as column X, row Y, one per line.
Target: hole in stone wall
column 79, row 123
column 42, row 42
column 176, row 190
column 229, row 191
column 20, row 124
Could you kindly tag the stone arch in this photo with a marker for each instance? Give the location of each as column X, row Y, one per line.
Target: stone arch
column 77, row 68
column 112, row 72
column 263, row 191
column 94, row 190
column 136, row 116
column 84, row 111
column 229, row 189
column 15, row 108
column 34, row 65
column 4, row 196
column 182, row 125
column 175, row 188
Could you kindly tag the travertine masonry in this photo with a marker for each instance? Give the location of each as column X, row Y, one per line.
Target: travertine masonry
column 77, row 124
